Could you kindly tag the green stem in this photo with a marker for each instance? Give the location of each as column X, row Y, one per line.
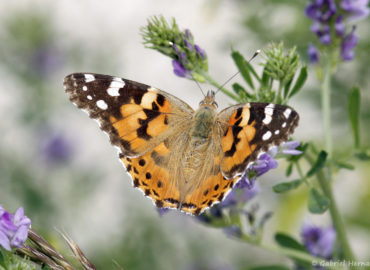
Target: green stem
column 301, row 174
column 298, row 255
column 325, row 103
column 210, row 80
column 334, row 213
column 278, row 98
column 336, row 217
column 324, row 180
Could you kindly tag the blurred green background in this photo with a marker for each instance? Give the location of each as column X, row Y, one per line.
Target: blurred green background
column 56, row 162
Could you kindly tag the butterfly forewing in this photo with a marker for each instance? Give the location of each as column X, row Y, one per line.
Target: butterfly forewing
column 252, row 128
column 136, row 117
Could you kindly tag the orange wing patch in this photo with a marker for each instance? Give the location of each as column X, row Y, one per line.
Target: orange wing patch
column 211, row 191
column 152, row 178
column 141, row 120
column 236, row 141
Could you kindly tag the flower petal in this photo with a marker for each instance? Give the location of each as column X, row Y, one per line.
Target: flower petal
column 4, row 241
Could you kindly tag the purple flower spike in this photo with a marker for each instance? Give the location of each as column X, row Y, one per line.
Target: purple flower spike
column 321, row 10
column 313, row 54
column 13, row 228
column 319, row 241
column 358, row 9
column 349, row 42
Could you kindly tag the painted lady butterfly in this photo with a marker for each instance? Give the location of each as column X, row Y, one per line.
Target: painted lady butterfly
column 179, row 157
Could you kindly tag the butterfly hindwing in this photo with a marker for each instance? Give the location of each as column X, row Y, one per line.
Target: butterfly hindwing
column 136, row 117
column 252, row 128
column 154, row 179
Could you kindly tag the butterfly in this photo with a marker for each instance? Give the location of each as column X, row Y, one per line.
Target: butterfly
column 179, row 157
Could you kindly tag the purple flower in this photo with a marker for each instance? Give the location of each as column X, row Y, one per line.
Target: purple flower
column 358, row 9
column 266, row 162
column 289, row 148
column 327, row 19
column 56, row 147
column 179, row 69
column 188, row 44
column 313, row 54
column 188, row 35
column 46, row 60
column 339, row 26
column 321, row 10
column 240, row 195
column 162, row 211
column 200, row 51
column 13, row 228
column 348, row 44
column 319, row 241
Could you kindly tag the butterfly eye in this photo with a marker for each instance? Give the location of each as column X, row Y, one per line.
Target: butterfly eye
column 214, row 103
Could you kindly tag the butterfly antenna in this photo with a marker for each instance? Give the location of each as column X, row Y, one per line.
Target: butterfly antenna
column 201, row 90
column 254, row 55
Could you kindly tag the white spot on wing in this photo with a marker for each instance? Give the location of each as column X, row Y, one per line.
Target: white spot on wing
column 267, row 119
column 84, row 88
column 102, row 104
column 283, row 125
column 114, row 87
column 266, row 136
column 287, row 112
column 277, row 132
column 269, row 111
column 89, row 77
column 89, row 97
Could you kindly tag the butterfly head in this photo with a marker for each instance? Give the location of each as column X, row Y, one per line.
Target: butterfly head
column 209, row 100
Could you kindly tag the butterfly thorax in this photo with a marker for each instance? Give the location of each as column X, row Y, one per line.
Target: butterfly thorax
column 199, row 141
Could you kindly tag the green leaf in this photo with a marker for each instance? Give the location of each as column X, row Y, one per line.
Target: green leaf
column 241, row 63
column 344, row 165
column 289, row 169
column 287, row 87
column 238, row 88
column 269, row 267
column 286, row 186
column 363, row 155
column 288, row 241
column 302, row 77
column 354, row 102
column 317, row 203
column 319, row 164
column 265, row 79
